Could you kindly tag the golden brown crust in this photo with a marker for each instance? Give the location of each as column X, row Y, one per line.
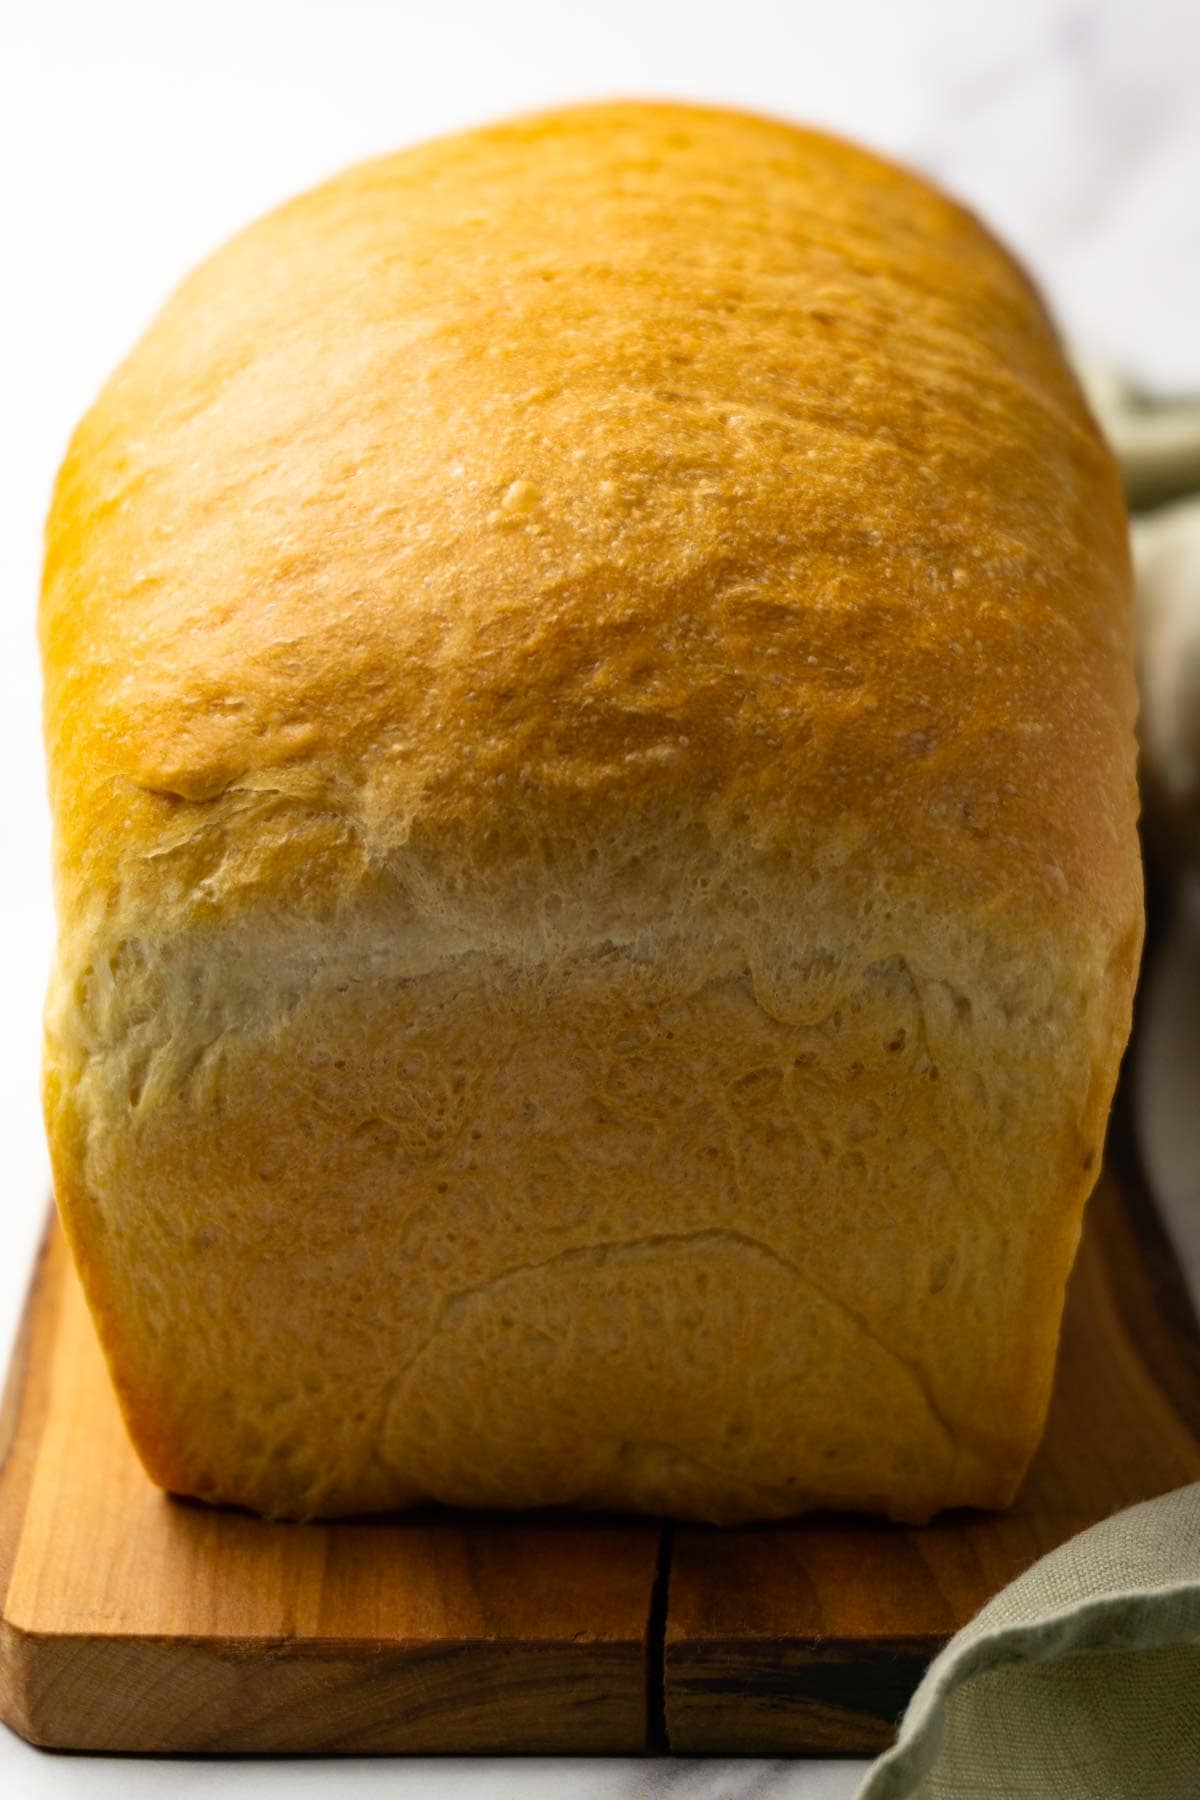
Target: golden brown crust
column 638, row 530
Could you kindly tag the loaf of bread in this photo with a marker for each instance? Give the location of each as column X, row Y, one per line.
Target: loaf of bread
column 590, row 717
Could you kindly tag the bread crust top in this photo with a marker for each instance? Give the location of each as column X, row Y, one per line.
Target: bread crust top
column 532, row 521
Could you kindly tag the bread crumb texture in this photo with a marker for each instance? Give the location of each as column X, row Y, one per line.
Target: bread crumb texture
column 589, row 709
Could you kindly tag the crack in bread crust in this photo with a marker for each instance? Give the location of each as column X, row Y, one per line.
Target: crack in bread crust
column 666, row 1241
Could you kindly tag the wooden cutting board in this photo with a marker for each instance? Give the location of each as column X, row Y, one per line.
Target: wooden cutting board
column 131, row 1622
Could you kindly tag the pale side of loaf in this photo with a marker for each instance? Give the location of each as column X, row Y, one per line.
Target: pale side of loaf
column 590, row 714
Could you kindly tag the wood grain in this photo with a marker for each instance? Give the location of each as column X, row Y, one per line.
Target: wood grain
column 132, row 1622
column 812, row 1636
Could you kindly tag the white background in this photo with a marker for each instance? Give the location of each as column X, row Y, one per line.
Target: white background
column 134, row 137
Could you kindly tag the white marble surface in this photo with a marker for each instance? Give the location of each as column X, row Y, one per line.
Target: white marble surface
column 133, row 137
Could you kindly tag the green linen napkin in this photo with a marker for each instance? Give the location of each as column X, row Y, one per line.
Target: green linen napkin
column 1081, row 1680
column 1156, row 437
column 1166, row 546
column 1157, row 443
